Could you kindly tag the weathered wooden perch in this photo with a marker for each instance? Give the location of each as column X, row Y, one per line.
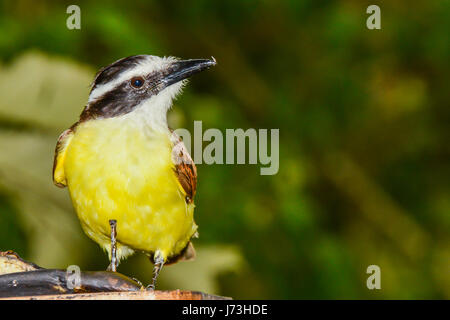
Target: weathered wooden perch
column 20, row 279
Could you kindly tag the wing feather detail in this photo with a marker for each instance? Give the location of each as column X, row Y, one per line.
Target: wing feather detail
column 59, row 176
column 185, row 169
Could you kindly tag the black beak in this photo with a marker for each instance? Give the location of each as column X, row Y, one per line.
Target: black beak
column 183, row 69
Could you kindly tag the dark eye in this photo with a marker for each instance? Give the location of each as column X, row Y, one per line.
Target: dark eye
column 137, row 82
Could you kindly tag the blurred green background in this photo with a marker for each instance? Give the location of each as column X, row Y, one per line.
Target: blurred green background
column 364, row 140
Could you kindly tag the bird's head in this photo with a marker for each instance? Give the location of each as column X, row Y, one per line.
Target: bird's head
column 144, row 85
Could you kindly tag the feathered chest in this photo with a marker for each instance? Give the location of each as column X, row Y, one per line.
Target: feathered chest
column 119, row 153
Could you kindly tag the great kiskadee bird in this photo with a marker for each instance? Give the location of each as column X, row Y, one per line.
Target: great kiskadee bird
column 131, row 179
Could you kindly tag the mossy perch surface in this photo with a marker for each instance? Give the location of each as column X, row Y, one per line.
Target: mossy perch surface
column 20, row 279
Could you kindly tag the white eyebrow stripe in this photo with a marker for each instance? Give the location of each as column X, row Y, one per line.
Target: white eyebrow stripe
column 151, row 64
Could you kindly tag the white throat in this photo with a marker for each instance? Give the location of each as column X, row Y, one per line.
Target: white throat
column 151, row 114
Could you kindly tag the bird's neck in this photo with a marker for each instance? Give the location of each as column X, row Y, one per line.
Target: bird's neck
column 149, row 120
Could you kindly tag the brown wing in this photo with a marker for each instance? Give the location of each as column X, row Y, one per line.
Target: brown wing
column 59, row 176
column 185, row 169
column 187, row 254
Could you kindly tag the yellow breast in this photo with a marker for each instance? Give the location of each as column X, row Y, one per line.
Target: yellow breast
column 116, row 170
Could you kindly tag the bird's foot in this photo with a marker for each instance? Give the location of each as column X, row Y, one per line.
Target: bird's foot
column 114, row 263
column 159, row 262
column 112, row 268
column 138, row 282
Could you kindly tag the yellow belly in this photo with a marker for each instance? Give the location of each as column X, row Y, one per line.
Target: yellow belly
column 115, row 170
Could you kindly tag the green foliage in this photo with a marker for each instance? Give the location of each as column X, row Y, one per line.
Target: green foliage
column 363, row 118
